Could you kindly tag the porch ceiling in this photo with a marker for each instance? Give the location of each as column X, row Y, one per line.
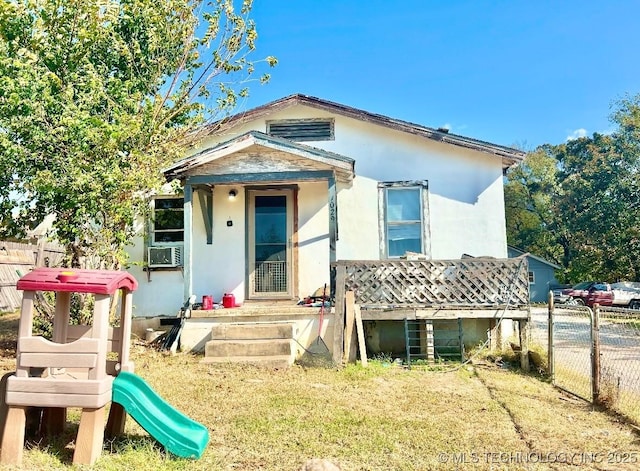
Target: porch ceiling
column 257, row 153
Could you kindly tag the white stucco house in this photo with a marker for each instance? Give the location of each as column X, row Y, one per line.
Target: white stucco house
column 275, row 194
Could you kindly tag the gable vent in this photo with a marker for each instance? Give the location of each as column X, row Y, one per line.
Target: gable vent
column 302, row 129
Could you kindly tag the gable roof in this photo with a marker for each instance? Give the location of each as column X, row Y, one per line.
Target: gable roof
column 509, row 155
column 344, row 166
column 528, row 254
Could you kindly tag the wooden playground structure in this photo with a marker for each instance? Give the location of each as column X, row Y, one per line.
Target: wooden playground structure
column 75, row 369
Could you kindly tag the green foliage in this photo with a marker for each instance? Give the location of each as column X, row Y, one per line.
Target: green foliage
column 578, row 204
column 530, row 193
column 81, row 311
column 44, row 314
column 96, row 97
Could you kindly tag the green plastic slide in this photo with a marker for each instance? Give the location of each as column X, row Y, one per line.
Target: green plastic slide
column 175, row 431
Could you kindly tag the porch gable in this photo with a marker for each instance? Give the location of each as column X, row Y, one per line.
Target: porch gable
column 256, row 152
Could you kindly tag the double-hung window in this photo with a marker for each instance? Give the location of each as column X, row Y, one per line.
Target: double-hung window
column 167, row 223
column 404, row 218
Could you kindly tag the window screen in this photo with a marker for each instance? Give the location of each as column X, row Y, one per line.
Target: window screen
column 168, row 220
column 403, row 221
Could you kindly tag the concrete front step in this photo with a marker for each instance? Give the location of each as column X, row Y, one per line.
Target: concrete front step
column 273, row 361
column 262, row 347
column 266, row 344
column 249, row 311
column 254, row 331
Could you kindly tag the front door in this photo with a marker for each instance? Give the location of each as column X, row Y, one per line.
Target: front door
column 270, row 233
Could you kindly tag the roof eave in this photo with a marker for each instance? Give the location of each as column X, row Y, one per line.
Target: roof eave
column 508, row 155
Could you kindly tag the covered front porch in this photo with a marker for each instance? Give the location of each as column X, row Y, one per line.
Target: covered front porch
column 260, row 218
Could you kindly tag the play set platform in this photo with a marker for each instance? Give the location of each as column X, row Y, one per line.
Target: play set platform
column 80, row 367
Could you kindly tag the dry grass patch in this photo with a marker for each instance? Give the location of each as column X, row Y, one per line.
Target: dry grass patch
column 380, row 418
column 551, row 422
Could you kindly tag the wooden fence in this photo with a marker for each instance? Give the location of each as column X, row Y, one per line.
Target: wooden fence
column 18, row 258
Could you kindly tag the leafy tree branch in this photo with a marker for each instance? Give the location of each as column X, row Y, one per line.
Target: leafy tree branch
column 96, row 97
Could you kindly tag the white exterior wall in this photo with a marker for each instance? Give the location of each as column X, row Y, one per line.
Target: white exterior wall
column 466, row 211
column 220, row 268
column 217, row 268
column 313, row 237
column 358, row 235
column 159, row 294
column 466, row 201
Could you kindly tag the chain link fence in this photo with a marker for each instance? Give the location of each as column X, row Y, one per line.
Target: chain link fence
column 570, row 357
column 619, row 361
column 594, row 354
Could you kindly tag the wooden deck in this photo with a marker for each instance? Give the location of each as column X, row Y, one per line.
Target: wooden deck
column 470, row 288
column 442, row 313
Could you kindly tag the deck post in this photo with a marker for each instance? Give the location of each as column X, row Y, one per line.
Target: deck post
column 523, row 331
column 338, row 317
column 350, row 340
column 496, row 341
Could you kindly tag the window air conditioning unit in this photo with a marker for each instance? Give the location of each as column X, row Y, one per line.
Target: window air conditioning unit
column 167, row 256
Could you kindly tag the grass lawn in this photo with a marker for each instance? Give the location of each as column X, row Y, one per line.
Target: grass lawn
column 380, row 418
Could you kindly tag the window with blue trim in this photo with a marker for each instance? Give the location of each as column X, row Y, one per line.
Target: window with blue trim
column 404, row 218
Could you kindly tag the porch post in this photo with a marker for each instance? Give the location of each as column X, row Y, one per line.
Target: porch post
column 188, row 240
column 333, row 218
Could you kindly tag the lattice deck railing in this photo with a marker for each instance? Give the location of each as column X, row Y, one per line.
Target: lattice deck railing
column 473, row 282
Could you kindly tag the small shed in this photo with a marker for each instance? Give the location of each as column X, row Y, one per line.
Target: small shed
column 541, row 274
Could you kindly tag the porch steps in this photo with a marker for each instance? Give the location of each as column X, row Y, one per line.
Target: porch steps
column 253, row 309
column 279, row 362
column 252, row 331
column 262, row 344
column 253, row 347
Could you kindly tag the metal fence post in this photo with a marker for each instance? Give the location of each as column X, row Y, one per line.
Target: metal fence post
column 550, row 359
column 595, row 354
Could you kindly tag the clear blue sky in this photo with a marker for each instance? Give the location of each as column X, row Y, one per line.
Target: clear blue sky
column 510, row 72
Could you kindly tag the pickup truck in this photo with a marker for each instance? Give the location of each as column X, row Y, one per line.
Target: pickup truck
column 626, row 294
column 589, row 293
